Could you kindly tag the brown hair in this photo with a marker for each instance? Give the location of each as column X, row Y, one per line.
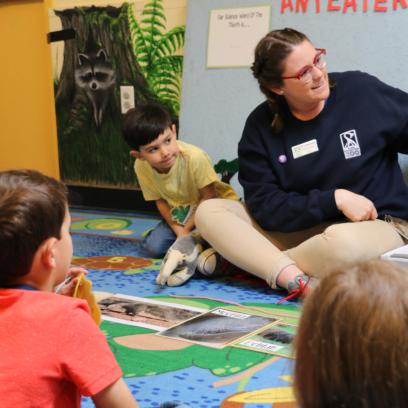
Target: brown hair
column 352, row 343
column 32, row 209
column 269, row 66
column 144, row 124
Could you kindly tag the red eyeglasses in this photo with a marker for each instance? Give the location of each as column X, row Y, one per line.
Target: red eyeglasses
column 306, row 73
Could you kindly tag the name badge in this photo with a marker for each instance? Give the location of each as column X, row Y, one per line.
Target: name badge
column 305, row 149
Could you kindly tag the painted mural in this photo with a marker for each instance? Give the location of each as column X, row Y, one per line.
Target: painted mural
column 129, row 44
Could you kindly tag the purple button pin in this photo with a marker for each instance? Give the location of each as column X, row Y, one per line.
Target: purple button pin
column 282, row 159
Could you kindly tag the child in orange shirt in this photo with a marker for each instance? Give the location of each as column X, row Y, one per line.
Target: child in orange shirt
column 51, row 351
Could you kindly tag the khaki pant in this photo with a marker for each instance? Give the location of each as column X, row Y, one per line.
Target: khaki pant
column 231, row 230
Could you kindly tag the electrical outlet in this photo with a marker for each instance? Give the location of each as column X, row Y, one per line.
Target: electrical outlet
column 127, row 98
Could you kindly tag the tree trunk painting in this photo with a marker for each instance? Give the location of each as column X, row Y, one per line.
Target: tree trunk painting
column 96, row 63
column 110, row 30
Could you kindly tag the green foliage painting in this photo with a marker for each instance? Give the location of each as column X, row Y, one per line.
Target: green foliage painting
column 125, row 51
column 227, row 169
column 154, row 50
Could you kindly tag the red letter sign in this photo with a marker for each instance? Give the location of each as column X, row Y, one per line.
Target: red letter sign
column 285, row 4
column 349, row 3
column 331, row 7
column 403, row 4
column 380, row 8
column 304, row 5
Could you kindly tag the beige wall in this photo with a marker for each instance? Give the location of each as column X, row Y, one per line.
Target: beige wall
column 28, row 136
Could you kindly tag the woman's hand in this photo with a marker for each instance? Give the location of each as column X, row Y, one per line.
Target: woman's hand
column 354, row 206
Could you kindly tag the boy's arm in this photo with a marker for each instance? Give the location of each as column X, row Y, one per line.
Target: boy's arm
column 207, row 193
column 116, row 395
column 164, row 210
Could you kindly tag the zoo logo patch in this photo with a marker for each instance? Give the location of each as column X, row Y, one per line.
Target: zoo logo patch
column 349, row 141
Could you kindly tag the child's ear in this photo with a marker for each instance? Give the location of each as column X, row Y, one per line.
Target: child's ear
column 137, row 154
column 48, row 253
column 173, row 128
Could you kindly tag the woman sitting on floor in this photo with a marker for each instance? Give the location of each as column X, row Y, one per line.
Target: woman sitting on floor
column 318, row 161
column 352, row 342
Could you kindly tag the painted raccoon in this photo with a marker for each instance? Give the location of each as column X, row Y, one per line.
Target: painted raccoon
column 94, row 74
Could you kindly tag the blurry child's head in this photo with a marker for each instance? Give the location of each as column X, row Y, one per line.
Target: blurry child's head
column 149, row 132
column 352, row 343
column 33, row 208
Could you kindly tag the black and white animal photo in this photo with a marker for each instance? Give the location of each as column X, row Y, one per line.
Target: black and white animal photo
column 149, row 313
column 217, row 330
column 276, row 334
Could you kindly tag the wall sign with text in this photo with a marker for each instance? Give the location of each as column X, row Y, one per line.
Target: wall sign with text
column 343, row 5
column 234, row 33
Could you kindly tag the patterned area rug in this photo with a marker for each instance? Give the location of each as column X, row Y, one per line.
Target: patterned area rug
column 167, row 373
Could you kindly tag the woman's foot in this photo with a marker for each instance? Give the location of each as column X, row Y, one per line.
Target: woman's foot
column 295, row 282
column 287, row 274
column 301, row 285
column 301, row 280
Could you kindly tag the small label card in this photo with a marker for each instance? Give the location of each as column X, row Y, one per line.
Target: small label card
column 229, row 313
column 260, row 345
column 305, row 148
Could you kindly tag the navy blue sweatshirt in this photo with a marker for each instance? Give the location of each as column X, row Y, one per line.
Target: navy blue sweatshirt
column 359, row 133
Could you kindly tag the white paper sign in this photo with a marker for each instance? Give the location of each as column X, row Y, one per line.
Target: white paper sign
column 234, row 33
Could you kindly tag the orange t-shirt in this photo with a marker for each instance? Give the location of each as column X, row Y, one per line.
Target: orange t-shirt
column 51, row 351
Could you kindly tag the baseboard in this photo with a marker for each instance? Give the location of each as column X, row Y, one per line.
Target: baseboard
column 110, row 199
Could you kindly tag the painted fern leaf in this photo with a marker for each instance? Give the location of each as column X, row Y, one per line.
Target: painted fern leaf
column 154, row 51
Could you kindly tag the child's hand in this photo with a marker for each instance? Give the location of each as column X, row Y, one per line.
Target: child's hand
column 69, row 288
column 183, row 231
column 76, row 271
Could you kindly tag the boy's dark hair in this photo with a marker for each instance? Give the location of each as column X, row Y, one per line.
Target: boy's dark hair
column 144, row 124
column 32, row 209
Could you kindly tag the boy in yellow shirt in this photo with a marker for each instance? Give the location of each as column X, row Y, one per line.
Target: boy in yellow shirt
column 177, row 175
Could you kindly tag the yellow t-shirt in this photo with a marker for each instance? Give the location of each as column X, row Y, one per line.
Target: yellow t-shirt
column 196, row 171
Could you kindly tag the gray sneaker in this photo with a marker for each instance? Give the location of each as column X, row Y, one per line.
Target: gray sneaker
column 295, row 283
column 301, row 285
